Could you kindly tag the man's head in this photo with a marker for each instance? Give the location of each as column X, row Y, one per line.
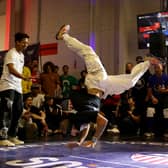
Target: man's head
column 128, row 67
column 139, row 59
column 21, row 41
column 158, row 68
column 48, row 67
column 28, row 99
column 65, row 69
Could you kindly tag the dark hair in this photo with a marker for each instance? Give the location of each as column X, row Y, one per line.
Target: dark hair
column 83, row 71
column 47, row 98
column 139, row 59
column 26, row 96
column 48, row 64
column 65, row 66
column 20, row 36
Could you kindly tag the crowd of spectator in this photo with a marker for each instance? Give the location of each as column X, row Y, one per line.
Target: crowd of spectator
column 142, row 110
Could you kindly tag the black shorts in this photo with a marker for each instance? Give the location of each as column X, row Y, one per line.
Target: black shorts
column 87, row 107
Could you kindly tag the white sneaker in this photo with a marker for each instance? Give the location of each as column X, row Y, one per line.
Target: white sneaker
column 6, row 143
column 149, row 134
column 114, row 130
column 16, row 141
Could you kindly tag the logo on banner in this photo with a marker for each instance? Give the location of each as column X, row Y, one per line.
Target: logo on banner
column 155, row 158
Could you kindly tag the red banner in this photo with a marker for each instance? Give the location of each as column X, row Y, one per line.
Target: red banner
column 48, row 49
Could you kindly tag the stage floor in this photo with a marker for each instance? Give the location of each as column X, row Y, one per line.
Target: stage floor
column 118, row 153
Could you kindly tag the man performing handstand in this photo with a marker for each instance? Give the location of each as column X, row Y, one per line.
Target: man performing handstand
column 99, row 84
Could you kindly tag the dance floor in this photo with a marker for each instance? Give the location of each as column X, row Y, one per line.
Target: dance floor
column 107, row 154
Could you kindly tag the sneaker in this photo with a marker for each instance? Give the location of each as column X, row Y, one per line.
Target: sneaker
column 63, row 30
column 114, row 130
column 16, row 141
column 6, row 143
column 149, row 134
column 165, row 135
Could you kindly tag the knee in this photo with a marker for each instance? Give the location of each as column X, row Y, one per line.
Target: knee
column 8, row 103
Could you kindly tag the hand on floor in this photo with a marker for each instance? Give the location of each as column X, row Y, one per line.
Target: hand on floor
column 89, row 144
column 73, row 144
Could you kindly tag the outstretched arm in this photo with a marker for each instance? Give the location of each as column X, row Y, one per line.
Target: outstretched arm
column 101, row 123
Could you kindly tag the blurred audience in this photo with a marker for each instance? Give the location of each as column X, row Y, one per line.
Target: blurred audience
column 68, row 82
column 157, row 100
column 128, row 116
column 49, row 79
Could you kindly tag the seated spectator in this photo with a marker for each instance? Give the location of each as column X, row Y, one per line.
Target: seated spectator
column 128, row 116
column 53, row 113
column 38, row 97
column 109, row 106
column 68, row 113
column 33, row 114
column 27, row 129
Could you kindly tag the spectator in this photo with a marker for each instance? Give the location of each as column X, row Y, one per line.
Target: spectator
column 139, row 92
column 68, row 82
column 53, row 113
column 38, row 97
column 27, row 128
column 26, row 84
column 128, row 67
column 82, row 79
column 128, row 116
column 157, row 99
column 37, row 116
column 109, row 106
column 35, row 75
column 49, row 79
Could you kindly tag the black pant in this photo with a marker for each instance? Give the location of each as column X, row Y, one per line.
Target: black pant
column 11, row 107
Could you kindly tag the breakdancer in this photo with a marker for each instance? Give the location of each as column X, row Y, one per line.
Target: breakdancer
column 98, row 84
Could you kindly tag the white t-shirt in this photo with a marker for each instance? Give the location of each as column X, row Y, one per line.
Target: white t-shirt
column 38, row 100
column 9, row 81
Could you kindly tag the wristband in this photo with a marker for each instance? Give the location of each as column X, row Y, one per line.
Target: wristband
column 94, row 139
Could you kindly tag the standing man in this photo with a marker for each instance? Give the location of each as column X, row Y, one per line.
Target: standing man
column 11, row 105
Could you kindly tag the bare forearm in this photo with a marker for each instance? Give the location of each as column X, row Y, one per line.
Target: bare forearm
column 84, row 134
column 14, row 72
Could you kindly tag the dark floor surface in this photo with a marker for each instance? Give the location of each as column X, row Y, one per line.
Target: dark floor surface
column 110, row 152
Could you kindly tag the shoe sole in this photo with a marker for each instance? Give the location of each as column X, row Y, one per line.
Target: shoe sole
column 62, row 29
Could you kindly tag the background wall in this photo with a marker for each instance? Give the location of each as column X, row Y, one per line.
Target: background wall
column 2, row 31
column 108, row 25
column 3, row 23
